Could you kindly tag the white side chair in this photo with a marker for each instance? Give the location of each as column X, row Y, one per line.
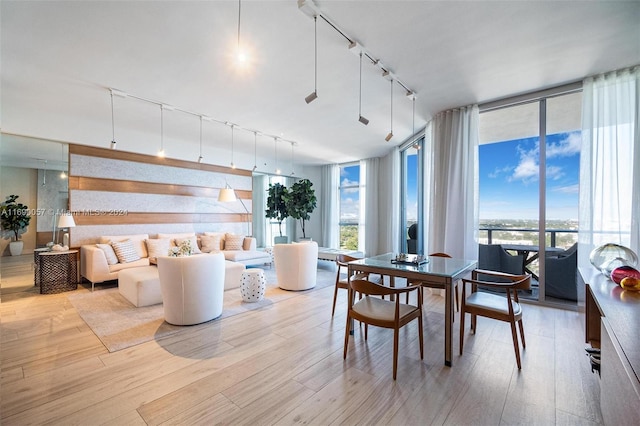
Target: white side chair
column 192, row 287
column 296, row 265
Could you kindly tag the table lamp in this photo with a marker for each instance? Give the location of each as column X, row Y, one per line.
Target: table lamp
column 66, row 221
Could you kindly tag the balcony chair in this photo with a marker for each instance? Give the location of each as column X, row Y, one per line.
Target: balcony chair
column 412, row 241
column 561, row 274
column 383, row 313
column 497, row 306
column 493, row 257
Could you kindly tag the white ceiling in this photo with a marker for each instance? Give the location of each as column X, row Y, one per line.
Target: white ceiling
column 59, row 59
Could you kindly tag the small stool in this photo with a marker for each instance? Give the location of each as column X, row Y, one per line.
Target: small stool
column 252, row 285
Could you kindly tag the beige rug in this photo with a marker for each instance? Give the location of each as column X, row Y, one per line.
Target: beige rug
column 119, row 324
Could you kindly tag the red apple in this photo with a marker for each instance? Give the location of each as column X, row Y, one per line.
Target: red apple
column 630, row 283
column 624, row 271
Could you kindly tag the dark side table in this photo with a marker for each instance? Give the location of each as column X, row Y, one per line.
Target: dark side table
column 56, row 271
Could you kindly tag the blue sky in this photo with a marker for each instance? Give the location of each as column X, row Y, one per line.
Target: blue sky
column 508, row 180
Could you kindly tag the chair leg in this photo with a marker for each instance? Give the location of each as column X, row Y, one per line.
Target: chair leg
column 457, row 298
column 335, row 297
column 461, row 331
column 420, row 336
column 366, row 331
column 395, row 352
column 514, row 334
column 346, row 338
column 524, row 345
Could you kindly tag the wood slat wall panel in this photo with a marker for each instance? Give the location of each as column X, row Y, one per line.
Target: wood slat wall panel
column 149, row 218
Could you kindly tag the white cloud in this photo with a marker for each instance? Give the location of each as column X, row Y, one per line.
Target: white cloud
column 527, row 168
column 566, row 147
column 498, row 171
column 568, row 189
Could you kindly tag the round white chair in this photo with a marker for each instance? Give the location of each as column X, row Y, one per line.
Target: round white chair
column 192, row 287
column 252, row 285
column 296, row 265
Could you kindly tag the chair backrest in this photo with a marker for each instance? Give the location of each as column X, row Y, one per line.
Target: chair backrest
column 503, row 279
column 439, row 254
column 371, row 289
column 343, row 259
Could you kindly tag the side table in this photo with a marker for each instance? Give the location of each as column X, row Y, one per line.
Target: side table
column 56, row 271
column 252, row 285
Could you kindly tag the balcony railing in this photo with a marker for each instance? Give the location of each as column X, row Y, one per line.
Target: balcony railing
column 528, row 236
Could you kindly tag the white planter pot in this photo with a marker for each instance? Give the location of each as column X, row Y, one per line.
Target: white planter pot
column 15, row 247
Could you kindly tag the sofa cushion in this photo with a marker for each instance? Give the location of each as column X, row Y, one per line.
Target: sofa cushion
column 194, row 243
column 173, row 237
column 217, row 234
column 125, row 250
column 233, row 242
column 137, row 239
column 210, row 243
column 112, row 259
column 242, row 255
column 120, row 266
column 157, row 247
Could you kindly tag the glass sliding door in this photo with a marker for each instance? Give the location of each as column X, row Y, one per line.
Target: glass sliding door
column 411, row 202
column 350, row 201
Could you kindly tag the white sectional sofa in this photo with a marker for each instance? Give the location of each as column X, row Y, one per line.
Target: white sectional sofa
column 96, row 268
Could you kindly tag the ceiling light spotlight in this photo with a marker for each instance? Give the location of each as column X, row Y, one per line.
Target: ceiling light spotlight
column 200, row 157
column 161, row 152
column 308, row 8
column 255, row 151
column 292, row 167
column 63, row 175
column 313, row 96
column 360, row 117
column 233, row 166
column 113, row 127
column 390, row 135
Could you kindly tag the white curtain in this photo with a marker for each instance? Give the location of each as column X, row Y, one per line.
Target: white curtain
column 454, row 188
column 330, row 206
column 610, row 162
column 259, row 202
column 370, row 168
column 389, row 199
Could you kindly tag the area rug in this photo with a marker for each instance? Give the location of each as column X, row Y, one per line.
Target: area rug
column 118, row 324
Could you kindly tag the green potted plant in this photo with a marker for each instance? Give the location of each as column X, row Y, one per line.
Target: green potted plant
column 301, row 202
column 277, row 209
column 15, row 218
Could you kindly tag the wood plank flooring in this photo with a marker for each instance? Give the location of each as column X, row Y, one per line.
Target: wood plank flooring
column 283, row 365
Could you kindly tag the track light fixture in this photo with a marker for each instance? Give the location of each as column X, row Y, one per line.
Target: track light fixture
column 275, row 147
column 113, row 127
column 200, row 157
column 390, row 135
column 255, row 151
column 313, row 96
column 360, row 117
column 161, row 152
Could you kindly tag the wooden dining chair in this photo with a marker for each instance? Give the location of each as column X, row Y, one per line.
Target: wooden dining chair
column 342, row 261
column 502, row 307
column 455, row 284
column 383, row 313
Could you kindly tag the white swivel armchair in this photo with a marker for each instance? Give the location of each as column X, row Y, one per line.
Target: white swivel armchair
column 192, row 287
column 296, row 265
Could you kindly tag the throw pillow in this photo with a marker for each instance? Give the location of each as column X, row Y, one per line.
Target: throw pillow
column 194, row 243
column 112, row 259
column 210, row 243
column 217, row 234
column 233, row 242
column 125, row 250
column 157, row 247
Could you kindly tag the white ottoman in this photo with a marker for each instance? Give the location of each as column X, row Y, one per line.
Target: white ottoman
column 232, row 274
column 140, row 285
column 252, row 285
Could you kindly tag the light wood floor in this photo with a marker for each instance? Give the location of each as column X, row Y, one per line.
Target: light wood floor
column 283, row 365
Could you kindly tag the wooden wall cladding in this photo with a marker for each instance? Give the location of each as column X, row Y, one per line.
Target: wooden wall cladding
column 118, row 193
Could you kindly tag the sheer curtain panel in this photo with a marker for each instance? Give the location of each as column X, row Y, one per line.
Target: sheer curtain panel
column 610, row 162
column 389, row 199
column 329, row 210
column 453, row 225
column 371, row 190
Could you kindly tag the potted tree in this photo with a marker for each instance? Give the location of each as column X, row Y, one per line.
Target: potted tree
column 14, row 217
column 277, row 209
column 301, row 202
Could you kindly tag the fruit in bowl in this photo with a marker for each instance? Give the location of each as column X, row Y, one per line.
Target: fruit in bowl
column 630, row 283
column 622, row 272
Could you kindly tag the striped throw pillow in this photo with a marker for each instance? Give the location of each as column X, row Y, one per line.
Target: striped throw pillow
column 125, row 250
column 112, row 259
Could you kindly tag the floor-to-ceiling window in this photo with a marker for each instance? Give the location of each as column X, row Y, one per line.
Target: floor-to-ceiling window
column 411, row 172
column 351, row 234
column 518, row 203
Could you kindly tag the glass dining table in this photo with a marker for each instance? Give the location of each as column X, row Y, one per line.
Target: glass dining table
column 436, row 272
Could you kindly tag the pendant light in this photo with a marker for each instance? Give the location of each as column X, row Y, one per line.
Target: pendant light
column 292, row 167
column 200, row 157
column 242, row 57
column 275, row 146
column 161, row 152
column 44, row 173
column 360, row 117
column 63, row 175
column 255, row 151
column 390, row 135
column 113, row 127
column 314, row 95
column 233, row 165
